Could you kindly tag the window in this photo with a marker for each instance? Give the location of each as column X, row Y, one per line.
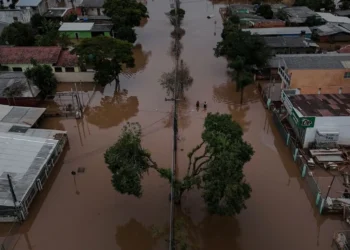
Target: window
column 58, row 69
column 69, row 69
column 347, row 75
column 17, row 69
column 15, row 18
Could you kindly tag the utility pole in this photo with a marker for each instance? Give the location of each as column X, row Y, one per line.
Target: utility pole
column 175, row 127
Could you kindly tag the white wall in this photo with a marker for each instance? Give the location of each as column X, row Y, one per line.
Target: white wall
column 23, row 16
column 339, row 124
column 94, row 11
column 75, row 76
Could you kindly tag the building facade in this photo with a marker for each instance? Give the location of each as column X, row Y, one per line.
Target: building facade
column 318, row 119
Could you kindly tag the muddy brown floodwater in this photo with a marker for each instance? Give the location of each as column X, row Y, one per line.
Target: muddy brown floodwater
column 92, row 216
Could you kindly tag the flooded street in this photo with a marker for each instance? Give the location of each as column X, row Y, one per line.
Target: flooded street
column 91, row 215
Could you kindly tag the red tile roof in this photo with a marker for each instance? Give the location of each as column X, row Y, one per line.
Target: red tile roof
column 66, row 59
column 22, row 55
column 345, row 49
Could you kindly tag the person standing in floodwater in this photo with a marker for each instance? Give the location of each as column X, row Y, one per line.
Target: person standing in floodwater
column 205, row 105
column 197, row 104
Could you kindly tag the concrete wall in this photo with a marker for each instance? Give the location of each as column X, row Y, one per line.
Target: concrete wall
column 309, row 81
column 339, row 124
column 81, row 34
column 42, row 8
column 75, row 77
column 9, row 16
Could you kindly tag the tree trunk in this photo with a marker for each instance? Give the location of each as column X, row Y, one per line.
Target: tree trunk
column 237, row 81
column 242, row 89
column 117, row 83
column 178, row 195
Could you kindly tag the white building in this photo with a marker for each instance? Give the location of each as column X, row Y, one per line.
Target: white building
column 318, row 118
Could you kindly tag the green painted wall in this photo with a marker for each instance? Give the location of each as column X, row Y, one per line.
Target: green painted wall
column 107, row 34
column 82, row 34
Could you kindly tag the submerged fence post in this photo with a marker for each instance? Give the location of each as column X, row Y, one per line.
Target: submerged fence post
column 321, row 207
column 288, row 137
column 295, row 154
column 318, row 198
column 304, row 171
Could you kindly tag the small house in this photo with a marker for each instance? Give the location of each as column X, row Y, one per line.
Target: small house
column 92, row 7
column 282, row 31
column 79, row 30
column 331, row 32
column 297, row 15
column 36, row 6
column 290, row 45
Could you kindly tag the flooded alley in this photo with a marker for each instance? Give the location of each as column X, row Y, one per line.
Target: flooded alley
column 88, row 214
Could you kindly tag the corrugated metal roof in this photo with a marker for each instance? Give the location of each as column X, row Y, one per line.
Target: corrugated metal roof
column 279, row 31
column 24, row 116
column 28, row 3
column 22, row 157
column 76, row 27
column 311, row 61
column 332, row 18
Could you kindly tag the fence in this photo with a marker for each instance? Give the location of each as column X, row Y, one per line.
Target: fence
column 301, row 162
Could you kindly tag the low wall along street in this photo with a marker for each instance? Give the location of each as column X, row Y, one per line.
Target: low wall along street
column 75, row 76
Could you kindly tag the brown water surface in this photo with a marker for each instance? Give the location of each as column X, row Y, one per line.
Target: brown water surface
column 92, row 216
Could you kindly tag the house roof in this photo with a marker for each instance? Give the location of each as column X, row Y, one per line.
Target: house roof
column 102, row 27
column 345, row 49
column 28, row 3
column 67, row 59
column 298, row 14
column 279, row 31
column 311, row 61
column 342, row 12
column 17, row 83
column 76, row 26
column 22, row 116
column 286, row 42
column 23, row 55
column 92, row 3
column 56, row 12
column 330, row 29
column 332, row 18
column 322, row 105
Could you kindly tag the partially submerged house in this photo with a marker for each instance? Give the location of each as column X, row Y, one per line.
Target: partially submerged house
column 321, row 119
column 283, row 31
column 330, row 18
column 79, row 30
column 19, row 58
column 290, row 45
column 266, row 23
column 27, row 157
column 16, row 89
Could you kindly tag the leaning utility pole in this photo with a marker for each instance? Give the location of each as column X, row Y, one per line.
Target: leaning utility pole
column 175, row 127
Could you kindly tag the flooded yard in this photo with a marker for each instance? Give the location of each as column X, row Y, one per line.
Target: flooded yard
column 90, row 215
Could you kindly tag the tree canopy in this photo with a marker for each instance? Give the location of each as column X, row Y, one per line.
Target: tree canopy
column 265, row 11
column 18, row 34
column 107, row 55
column 42, row 76
column 125, row 15
column 316, row 5
column 215, row 165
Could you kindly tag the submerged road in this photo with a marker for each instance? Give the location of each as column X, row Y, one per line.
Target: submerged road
column 92, row 216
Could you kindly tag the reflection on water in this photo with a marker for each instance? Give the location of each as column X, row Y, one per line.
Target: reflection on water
column 112, row 110
column 141, row 59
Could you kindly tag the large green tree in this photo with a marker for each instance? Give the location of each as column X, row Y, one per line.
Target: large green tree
column 107, row 55
column 42, row 76
column 125, row 15
column 215, row 165
column 18, row 34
